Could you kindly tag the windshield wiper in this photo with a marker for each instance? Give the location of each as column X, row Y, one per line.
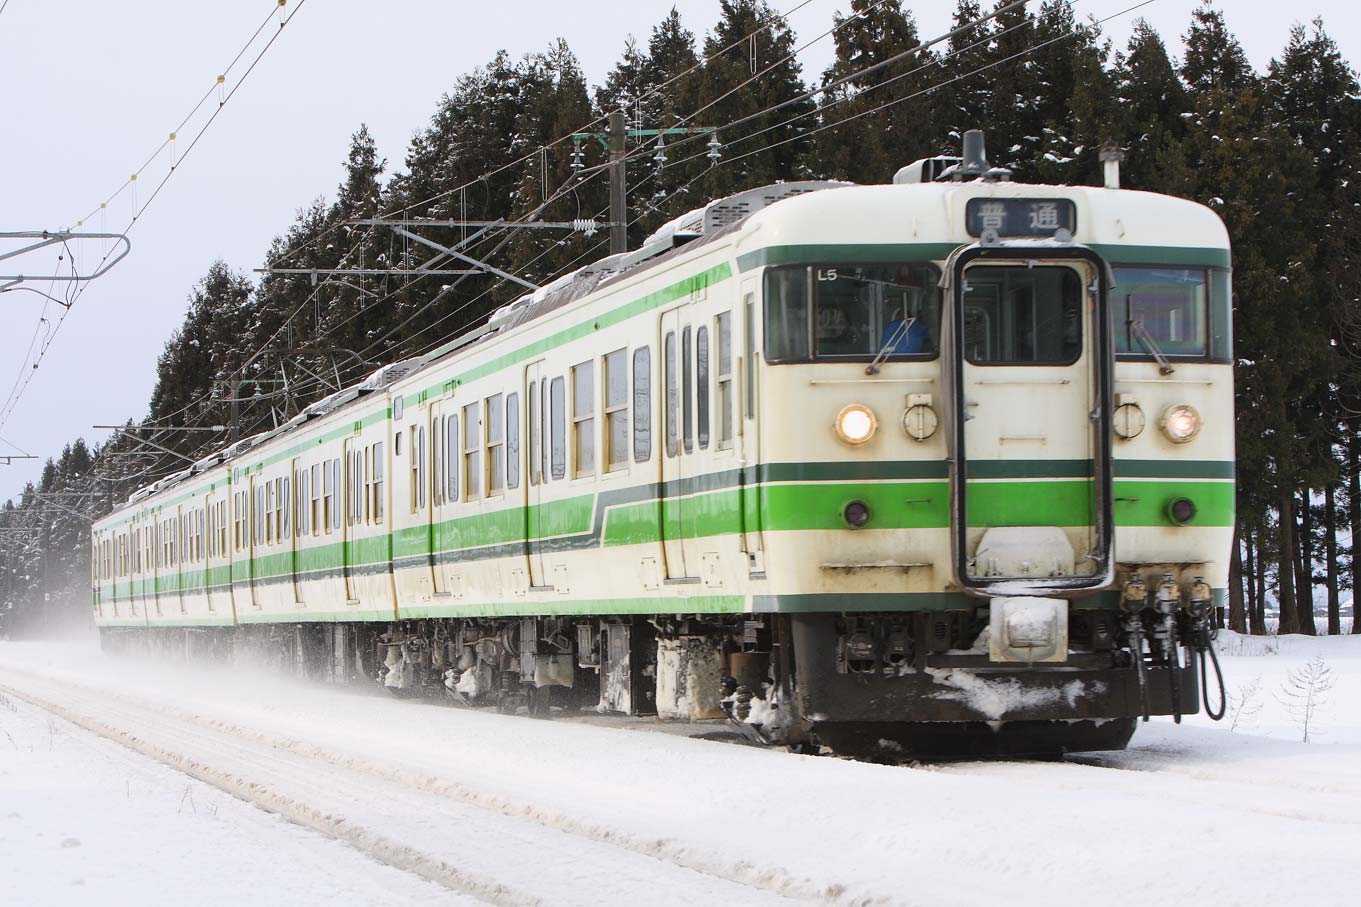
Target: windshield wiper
column 1136, row 327
column 897, row 334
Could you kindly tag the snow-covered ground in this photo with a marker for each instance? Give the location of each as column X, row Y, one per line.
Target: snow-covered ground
column 84, row 820
column 396, row 802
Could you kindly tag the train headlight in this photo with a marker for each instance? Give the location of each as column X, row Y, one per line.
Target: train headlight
column 855, row 424
column 1180, row 423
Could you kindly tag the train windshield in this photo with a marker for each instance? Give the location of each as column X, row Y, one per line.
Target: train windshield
column 1165, row 308
column 852, row 312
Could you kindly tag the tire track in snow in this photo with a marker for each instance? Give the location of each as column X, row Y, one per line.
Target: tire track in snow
column 763, row 883
column 377, row 846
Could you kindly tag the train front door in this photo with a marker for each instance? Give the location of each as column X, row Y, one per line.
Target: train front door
column 1031, row 365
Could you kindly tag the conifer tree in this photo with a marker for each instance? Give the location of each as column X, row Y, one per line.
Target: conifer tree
column 752, row 40
column 870, row 147
column 964, row 101
column 1152, row 107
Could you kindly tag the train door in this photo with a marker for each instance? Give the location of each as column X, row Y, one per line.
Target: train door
column 293, row 504
column 209, row 552
column 537, row 407
column 434, row 491
column 749, row 431
column 180, row 529
column 1032, row 364
column 157, row 567
column 255, row 504
column 348, row 498
column 677, row 416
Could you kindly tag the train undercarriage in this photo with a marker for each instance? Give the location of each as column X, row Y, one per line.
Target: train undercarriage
column 919, row 684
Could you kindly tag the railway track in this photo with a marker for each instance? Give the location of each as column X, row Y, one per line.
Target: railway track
column 471, row 841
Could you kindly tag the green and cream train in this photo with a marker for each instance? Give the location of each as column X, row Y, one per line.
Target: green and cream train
column 939, row 466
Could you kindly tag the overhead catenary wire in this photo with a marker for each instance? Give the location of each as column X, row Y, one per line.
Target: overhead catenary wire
column 312, row 242
column 676, row 190
column 656, row 89
column 925, row 91
column 10, row 405
column 501, row 168
column 912, row 51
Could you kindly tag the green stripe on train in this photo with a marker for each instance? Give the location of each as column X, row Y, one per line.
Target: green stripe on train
column 775, row 508
column 871, row 253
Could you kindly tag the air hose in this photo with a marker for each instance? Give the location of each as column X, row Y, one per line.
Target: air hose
column 1219, row 677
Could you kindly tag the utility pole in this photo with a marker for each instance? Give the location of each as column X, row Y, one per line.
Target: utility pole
column 615, row 140
column 619, row 235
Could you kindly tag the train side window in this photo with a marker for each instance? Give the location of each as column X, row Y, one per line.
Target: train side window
column 496, row 445
column 452, row 460
column 328, row 497
column 345, row 489
column 439, row 455
column 280, row 508
column 420, row 455
column 616, row 410
column 270, row 495
column 304, row 510
column 535, row 440
column 558, row 399
column 314, row 519
column 687, row 390
column 415, row 484
column 642, row 404
column 472, row 451
column 513, row 441
column 365, row 509
column 724, row 377
column 544, row 443
column 583, row 419
column 378, row 483
column 702, row 385
column 749, row 336
column 286, row 509
column 672, row 394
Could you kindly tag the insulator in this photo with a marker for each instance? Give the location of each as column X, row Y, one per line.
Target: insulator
column 578, row 158
column 714, row 149
column 660, row 156
column 585, row 225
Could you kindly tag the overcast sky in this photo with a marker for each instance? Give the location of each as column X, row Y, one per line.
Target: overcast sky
column 91, row 87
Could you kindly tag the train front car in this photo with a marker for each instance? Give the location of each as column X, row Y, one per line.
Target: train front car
column 1000, row 418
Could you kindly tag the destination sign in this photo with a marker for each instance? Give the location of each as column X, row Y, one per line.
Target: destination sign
column 1020, row 216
